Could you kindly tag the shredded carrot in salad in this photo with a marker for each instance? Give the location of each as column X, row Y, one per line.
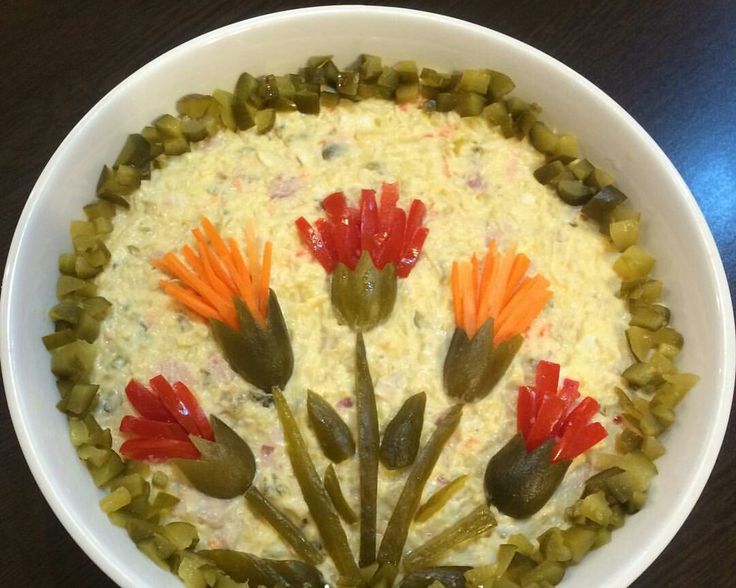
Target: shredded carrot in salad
column 215, row 272
column 498, row 288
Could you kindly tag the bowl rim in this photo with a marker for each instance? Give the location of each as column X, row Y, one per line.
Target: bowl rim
column 113, row 566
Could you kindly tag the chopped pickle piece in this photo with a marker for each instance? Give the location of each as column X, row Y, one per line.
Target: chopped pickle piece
column 594, row 507
column 332, row 485
column 579, row 540
column 624, row 233
column 639, row 374
column 640, row 341
column 370, row 67
column 406, row 93
column 135, row 152
column 116, row 500
column 469, row 103
column 548, row 172
column 194, row 105
column 567, row 149
column 193, row 130
column 176, row 146
column 431, row 78
column 447, row 576
column 580, row 168
column 634, row 263
column 109, row 471
column 600, row 208
column 628, row 441
column 445, row 102
column 649, row 316
column 476, row 523
column 333, row 434
column 224, row 102
column 573, row 192
column 599, row 179
column 474, row 80
column 652, row 448
column 265, row 120
column 543, row 139
column 546, row 571
column 407, row 71
column 307, row 102
column 243, row 113
column 499, row 85
column 394, row 538
column 73, row 361
column 440, row 498
column 401, row 438
column 553, row 547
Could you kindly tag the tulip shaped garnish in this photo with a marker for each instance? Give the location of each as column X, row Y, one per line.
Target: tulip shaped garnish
column 231, row 291
column 214, row 458
column 551, row 431
column 365, row 250
column 494, row 303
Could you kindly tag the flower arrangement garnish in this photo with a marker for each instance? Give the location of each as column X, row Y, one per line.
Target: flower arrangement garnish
column 214, row 458
column 551, row 431
column 231, row 291
column 494, row 304
column 365, row 250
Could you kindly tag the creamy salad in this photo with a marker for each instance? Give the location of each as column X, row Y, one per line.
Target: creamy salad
column 477, row 186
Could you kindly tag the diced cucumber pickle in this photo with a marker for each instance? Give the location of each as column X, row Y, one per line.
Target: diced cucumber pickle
column 116, row 500
column 634, row 263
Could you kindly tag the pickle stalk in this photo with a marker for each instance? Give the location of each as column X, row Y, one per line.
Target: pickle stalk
column 368, row 450
column 363, row 297
column 256, row 571
column 261, row 356
column 474, row 366
column 518, row 482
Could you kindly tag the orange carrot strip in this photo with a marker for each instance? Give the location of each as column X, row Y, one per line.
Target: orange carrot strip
column 213, row 261
column 209, row 274
column 265, row 278
column 190, row 300
column 192, row 259
column 457, row 300
column 524, row 306
column 178, row 270
column 485, row 282
column 254, row 267
column 518, row 271
column 468, row 302
column 522, row 316
column 214, row 237
column 242, row 279
column 501, row 278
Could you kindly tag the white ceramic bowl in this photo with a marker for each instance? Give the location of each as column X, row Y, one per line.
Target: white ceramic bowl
column 687, row 259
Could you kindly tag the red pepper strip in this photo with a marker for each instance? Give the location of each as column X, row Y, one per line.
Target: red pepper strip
column 389, row 192
column 580, row 415
column 174, row 405
column 368, row 218
column 548, row 374
column 390, row 252
column 151, row 429
column 551, row 409
column 569, row 391
column 316, row 244
column 328, row 236
column 416, row 217
column 158, row 449
column 335, row 206
column 572, row 445
column 524, row 410
column 411, row 253
column 146, row 403
column 200, row 418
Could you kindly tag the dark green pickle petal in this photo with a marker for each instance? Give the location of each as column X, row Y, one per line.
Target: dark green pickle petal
column 363, row 297
column 474, row 366
column 333, row 434
column 262, row 357
column 448, row 576
column 520, row 483
column 401, row 438
column 227, row 466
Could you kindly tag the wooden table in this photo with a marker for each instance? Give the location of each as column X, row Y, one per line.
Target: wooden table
column 672, row 65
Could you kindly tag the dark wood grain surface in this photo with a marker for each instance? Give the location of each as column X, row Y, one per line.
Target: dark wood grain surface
column 670, row 63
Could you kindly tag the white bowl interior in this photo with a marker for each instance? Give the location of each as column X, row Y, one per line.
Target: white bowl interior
column 688, row 261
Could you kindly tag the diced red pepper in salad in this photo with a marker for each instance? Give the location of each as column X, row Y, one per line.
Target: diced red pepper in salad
column 169, row 415
column 385, row 231
column 544, row 412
